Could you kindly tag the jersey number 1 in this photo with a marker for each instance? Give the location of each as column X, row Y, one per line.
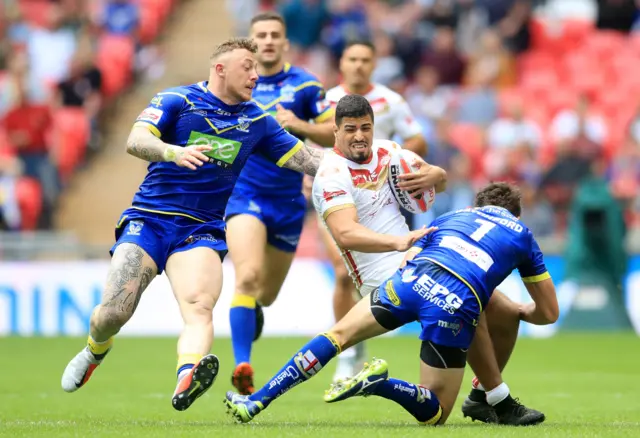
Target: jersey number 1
column 485, row 227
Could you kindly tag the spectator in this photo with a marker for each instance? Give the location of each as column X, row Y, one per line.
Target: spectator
column 442, row 56
column 51, row 49
column 493, row 61
column 120, row 17
column 616, row 14
column 27, row 126
column 347, row 21
column 10, row 169
column 388, row 66
column 473, row 20
column 511, row 18
column 478, row 103
column 579, row 129
column 513, row 130
column 17, row 78
column 536, row 214
column 304, row 20
column 427, row 99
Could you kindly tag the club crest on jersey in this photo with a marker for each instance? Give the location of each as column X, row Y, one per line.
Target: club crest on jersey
column 243, row 124
column 157, row 101
column 287, row 93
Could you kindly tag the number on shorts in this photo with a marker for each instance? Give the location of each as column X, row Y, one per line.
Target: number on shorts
column 485, row 227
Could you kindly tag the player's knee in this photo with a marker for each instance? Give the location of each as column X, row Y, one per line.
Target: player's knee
column 110, row 318
column 198, row 307
column 249, row 282
column 266, row 300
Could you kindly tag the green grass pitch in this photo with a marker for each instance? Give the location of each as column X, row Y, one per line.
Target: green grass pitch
column 587, row 384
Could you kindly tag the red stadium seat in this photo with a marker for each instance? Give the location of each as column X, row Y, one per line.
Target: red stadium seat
column 469, row 139
column 150, row 22
column 71, row 135
column 29, row 196
column 115, row 60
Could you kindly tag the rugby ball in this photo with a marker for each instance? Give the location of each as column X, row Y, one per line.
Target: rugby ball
column 404, row 161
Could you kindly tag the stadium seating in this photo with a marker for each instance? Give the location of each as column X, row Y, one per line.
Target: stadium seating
column 115, row 59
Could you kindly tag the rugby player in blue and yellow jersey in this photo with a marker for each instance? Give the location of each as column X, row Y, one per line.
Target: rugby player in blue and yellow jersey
column 449, row 277
column 267, row 209
column 197, row 139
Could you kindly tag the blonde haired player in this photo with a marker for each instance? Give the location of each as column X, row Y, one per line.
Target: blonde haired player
column 393, row 119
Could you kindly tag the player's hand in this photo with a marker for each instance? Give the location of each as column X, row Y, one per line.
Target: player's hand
column 407, row 241
column 190, row 157
column 425, row 178
column 286, row 118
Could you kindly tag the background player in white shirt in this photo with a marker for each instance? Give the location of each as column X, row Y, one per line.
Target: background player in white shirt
column 351, row 194
column 393, row 119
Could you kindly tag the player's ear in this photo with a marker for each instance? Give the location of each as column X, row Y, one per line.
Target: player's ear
column 219, row 69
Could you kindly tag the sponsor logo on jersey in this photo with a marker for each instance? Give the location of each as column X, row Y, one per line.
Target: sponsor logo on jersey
column 224, row 150
column 266, row 87
column 328, row 196
column 437, row 294
column 287, row 93
column 205, row 237
column 152, row 115
column 222, row 112
column 379, row 105
column 455, row 327
column 322, row 106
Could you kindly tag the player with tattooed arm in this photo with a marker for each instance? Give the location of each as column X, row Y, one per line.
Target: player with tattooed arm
column 197, row 139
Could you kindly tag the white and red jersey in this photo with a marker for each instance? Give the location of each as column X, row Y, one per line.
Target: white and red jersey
column 392, row 114
column 341, row 183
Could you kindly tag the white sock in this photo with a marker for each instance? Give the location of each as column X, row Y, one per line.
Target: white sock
column 348, row 354
column 475, row 384
column 497, row 394
column 183, row 373
column 480, row 387
column 360, row 350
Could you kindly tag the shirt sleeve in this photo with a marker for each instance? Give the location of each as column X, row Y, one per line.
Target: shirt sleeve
column 405, row 125
column 533, row 269
column 162, row 113
column 276, row 143
column 331, row 192
column 318, row 107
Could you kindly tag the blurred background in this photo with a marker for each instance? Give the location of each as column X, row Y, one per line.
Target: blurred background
column 542, row 93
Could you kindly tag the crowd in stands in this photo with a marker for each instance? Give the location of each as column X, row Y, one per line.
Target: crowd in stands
column 62, row 62
column 542, row 93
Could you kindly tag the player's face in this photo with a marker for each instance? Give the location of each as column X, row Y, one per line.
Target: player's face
column 354, row 137
column 356, row 65
column 241, row 75
column 272, row 42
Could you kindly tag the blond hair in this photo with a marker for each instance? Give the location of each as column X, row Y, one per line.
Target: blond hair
column 233, row 44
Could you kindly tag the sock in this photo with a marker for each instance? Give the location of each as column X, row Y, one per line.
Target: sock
column 186, row 363
column 415, row 399
column 498, row 394
column 306, row 363
column 99, row 349
column 361, row 350
column 475, row 384
column 242, row 317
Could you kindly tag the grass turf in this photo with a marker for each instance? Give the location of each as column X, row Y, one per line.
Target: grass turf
column 587, row 385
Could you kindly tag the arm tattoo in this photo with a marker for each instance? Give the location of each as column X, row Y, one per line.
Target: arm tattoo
column 143, row 144
column 306, row 160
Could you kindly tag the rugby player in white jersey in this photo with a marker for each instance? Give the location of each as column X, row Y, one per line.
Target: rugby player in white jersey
column 393, row 119
column 351, row 195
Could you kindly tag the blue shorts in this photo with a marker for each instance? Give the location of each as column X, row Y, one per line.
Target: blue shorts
column 161, row 235
column 282, row 215
column 445, row 307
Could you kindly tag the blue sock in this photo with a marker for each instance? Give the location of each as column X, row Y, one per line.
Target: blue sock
column 242, row 317
column 415, row 399
column 301, row 367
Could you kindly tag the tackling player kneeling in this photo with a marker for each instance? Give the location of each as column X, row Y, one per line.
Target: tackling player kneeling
column 451, row 274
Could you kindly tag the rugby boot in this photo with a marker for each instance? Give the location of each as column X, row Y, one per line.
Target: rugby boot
column 241, row 408
column 242, row 379
column 362, row 384
column 196, row 382
column 79, row 370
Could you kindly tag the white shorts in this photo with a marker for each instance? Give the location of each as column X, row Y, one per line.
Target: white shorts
column 365, row 289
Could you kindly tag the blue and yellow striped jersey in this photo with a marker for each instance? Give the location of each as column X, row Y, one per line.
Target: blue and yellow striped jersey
column 481, row 247
column 300, row 92
column 190, row 115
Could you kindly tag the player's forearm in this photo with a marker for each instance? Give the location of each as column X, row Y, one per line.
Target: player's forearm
column 319, row 133
column 306, row 160
column 146, row 146
column 360, row 238
column 416, row 144
column 537, row 315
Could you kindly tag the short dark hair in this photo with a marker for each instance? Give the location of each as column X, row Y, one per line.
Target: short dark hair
column 365, row 43
column 500, row 194
column 353, row 106
column 268, row 16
